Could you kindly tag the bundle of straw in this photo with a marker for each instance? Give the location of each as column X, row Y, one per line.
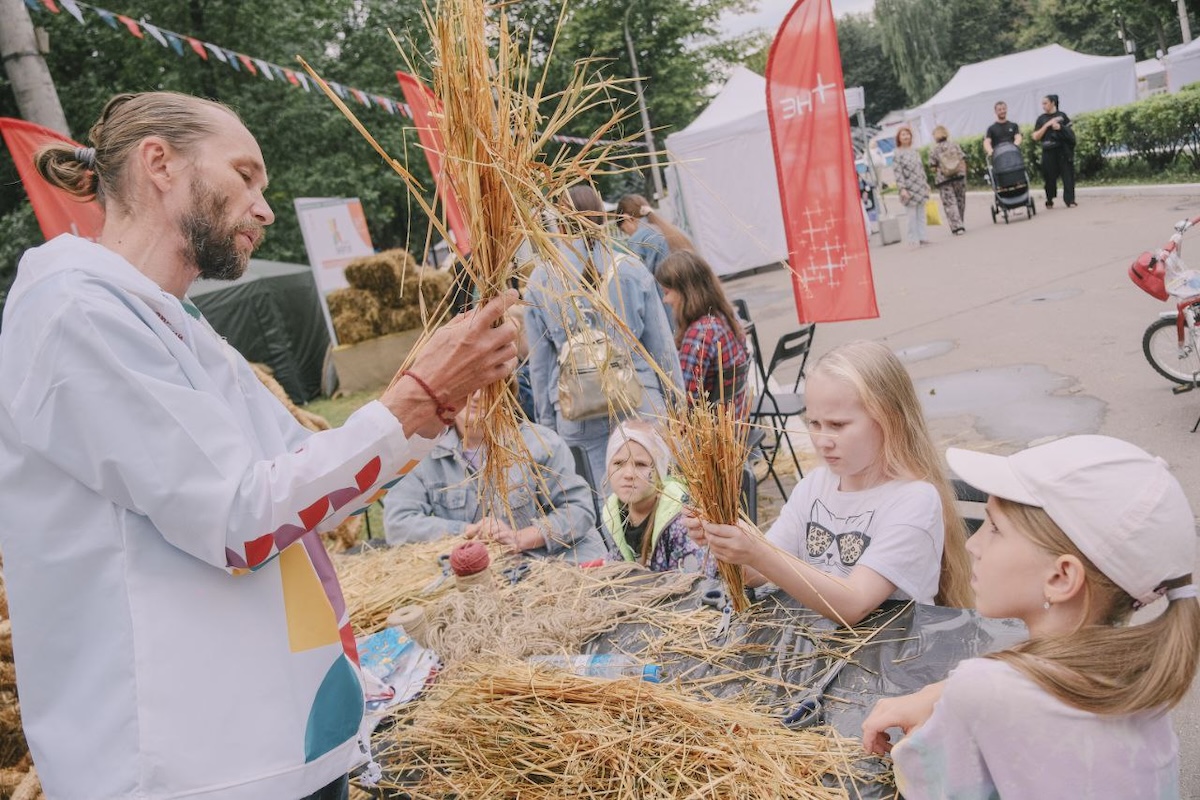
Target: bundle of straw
column 506, row 731
column 708, row 442
column 496, row 123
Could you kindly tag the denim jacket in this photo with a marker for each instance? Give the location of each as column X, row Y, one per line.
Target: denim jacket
column 649, row 245
column 633, row 294
column 440, row 497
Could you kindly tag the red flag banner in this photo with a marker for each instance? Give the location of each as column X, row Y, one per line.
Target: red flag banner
column 422, row 102
column 814, row 162
column 57, row 212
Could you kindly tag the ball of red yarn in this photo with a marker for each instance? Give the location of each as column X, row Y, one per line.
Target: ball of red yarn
column 469, row 558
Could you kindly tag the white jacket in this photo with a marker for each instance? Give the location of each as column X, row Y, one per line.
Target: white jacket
column 178, row 627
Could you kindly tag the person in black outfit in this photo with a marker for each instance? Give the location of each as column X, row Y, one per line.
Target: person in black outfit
column 1053, row 130
column 1002, row 130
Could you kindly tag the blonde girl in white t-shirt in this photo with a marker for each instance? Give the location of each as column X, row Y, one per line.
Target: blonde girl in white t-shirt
column 878, row 519
column 1079, row 533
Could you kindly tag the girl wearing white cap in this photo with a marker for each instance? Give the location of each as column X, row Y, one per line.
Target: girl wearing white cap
column 877, row 521
column 1080, row 532
column 642, row 515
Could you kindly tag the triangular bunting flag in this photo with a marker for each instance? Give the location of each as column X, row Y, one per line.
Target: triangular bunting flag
column 247, row 63
column 132, row 25
column 264, row 68
column 156, row 33
column 231, row 58
column 291, row 76
column 198, row 48
column 73, row 9
column 338, row 89
column 107, row 16
column 33, row 5
column 176, row 43
column 50, row 5
column 216, row 51
column 304, row 81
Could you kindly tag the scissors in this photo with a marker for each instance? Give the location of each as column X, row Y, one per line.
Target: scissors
column 716, row 598
column 436, row 583
column 515, row 573
column 811, row 710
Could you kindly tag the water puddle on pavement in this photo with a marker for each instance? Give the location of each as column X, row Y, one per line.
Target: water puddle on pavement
column 922, row 352
column 1019, row 404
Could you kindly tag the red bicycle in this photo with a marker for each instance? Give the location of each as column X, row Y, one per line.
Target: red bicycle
column 1170, row 343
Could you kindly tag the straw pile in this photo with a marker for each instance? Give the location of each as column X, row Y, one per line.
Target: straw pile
column 356, row 314
column 376, row 582
column 518, row 733
column 18, row 780
column 555, row 609
column 708, row 442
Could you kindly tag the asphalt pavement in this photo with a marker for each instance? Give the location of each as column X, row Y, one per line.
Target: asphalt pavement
column 1021, row 332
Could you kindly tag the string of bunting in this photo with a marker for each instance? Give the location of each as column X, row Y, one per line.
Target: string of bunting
column 239, row 62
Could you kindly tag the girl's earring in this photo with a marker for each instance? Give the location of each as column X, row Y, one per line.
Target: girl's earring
column 1046, row 605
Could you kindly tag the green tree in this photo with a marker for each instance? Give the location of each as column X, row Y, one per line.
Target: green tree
column 1092, row 26
column 864, row 64
column 926, row 41
column 679, row 48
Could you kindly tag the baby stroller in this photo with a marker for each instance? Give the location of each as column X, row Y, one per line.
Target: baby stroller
column 1010, row 182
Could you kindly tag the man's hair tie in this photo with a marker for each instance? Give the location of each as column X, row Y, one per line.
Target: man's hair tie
column 86, row 156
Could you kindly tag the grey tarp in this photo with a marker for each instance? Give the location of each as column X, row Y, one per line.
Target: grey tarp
column 913, row 645
column 271, row 315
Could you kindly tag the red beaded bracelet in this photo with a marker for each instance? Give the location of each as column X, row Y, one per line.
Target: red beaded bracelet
column 445, row 412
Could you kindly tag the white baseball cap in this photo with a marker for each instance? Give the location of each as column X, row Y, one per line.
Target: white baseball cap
column 1120, row 505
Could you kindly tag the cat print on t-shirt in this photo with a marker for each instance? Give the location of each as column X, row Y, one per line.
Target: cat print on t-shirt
column 834, row 544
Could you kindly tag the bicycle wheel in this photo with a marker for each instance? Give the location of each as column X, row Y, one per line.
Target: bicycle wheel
column 1161, row 346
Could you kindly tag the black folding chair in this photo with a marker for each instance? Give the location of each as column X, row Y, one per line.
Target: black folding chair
column 973, row 514
column 750, row 493
column 776, row 409
column 583, row 466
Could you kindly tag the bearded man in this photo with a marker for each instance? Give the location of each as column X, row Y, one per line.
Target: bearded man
column 177, row 625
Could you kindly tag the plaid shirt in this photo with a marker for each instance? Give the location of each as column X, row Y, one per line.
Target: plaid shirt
column 708, row 377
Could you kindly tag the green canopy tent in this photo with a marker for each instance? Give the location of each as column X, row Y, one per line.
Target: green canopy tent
column 271, row 315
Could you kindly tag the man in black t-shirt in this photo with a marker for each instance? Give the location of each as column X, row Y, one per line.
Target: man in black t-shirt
column 1053, row 129
column 1002, row 130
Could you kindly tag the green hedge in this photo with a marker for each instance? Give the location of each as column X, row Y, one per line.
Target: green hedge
column 1157, row 135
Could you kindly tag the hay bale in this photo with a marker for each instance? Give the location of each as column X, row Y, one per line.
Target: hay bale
column 395, row 320
column 434, row 285
column 384, row 275
column 375, row 274
column 352, row 329
column 6, row 648
column 354, row 301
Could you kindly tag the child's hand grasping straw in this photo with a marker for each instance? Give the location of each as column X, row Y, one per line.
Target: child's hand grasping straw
column 877, row 521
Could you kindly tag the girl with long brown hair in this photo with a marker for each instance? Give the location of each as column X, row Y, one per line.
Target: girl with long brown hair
column 1080, row 532
column 711, row 344
column 877, row 521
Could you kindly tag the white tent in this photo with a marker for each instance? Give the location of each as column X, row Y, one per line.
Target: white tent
column 722, row 178
column 1183, row 65
column 1082, row 82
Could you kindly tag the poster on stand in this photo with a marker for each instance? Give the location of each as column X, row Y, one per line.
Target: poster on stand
column 335, row 233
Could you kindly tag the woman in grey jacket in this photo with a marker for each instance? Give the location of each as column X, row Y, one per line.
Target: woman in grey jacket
column 632, row 292
column 547, row 510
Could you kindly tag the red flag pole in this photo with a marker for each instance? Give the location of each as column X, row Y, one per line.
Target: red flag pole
column 421, row 101
column 828, row 251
